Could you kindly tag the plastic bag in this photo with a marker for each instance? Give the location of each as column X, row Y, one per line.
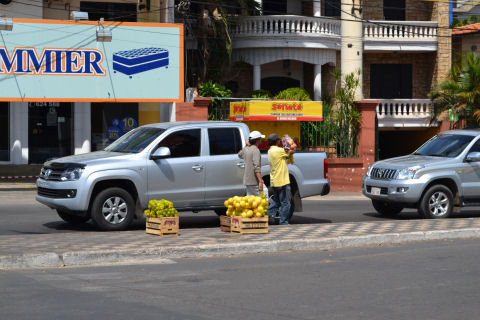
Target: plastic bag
column 289, row 144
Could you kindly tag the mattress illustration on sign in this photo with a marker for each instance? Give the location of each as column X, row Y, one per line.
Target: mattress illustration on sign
column 139, row 60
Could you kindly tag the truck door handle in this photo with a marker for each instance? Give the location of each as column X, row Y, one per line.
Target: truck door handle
column 240, row 164
column 197, row 167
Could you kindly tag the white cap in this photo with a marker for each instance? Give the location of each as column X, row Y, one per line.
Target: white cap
column 255, row 135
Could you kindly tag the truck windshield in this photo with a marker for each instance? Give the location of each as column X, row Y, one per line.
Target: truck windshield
column 444, row 145
column 135, row 140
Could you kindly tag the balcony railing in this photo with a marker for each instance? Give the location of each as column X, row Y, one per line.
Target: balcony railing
column 404, row 112
column 282, row 25
column 323, row 32
column 400, row 30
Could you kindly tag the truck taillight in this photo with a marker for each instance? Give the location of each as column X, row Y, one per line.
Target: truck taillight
column 325, row 168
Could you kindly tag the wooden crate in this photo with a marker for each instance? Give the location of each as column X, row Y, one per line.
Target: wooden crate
column 225, row 223
column 165, row 226
column 244, row 225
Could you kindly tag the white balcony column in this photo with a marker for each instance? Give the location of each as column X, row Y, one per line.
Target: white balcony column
column 352, row 42
column 19, row 132
column 257, row 77
column 317, row 8
column 317, row 84
column 82, row 127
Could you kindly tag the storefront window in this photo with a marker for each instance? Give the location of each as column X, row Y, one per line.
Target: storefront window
column 110, row 121
column 4, row 132
column 50, row 126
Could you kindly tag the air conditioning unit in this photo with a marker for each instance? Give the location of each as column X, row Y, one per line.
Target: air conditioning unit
column 79, row 15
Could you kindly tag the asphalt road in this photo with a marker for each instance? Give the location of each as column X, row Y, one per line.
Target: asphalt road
column 21, row 214
column 429, row 280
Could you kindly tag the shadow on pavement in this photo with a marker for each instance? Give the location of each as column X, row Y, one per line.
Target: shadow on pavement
column 307, row 220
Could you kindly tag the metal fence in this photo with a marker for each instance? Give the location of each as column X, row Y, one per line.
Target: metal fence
column 336, row 138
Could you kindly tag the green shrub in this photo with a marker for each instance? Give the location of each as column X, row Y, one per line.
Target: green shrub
column 297, row 94
column 218, row 109
column 261, row 93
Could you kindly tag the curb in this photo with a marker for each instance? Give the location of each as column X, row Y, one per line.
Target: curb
column 84, row 258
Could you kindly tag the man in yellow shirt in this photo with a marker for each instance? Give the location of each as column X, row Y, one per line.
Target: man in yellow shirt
column 279, row 179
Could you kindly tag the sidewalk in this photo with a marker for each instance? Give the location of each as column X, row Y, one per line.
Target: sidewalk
column 90, row 248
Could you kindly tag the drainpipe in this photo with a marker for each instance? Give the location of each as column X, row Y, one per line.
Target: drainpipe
column 352, row 41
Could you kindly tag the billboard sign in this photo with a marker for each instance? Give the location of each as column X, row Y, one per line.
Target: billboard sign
column 53, row 60
column 276, row 110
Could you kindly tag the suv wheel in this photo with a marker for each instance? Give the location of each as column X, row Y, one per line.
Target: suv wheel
column 71, row 218
column 386, row 208
column 436, row 203
column 113, row 209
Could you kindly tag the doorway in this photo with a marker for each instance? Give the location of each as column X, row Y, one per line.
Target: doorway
column 4, row 132
column 391, row 81
column 49, row 131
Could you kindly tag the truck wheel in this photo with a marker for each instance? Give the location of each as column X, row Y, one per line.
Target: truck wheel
column 71, row 218
column 436, row 203
column 113, row 209
column 386, row 208
column 221, row 212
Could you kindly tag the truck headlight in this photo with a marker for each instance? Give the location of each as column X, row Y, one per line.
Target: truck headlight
column 408, row 173
column 71, row 174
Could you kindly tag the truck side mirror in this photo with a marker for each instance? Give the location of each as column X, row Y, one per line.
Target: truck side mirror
column 473, row 157
column 160, row 153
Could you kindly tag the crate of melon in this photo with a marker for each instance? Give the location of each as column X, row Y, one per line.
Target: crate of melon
column 245, row 215
column 162, row 218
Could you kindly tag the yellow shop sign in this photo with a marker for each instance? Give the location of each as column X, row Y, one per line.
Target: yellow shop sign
column 276, row 110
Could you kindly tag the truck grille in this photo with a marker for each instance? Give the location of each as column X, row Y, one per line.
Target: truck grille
column 383, row 174
column 50, row 174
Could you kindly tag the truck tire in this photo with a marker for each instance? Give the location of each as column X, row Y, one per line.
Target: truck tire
column 436, row 203
column 113, row 209
column 221, row 212
column 386, row 208
column 71, row 218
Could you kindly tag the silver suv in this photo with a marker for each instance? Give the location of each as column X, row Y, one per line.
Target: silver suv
column 443, row 173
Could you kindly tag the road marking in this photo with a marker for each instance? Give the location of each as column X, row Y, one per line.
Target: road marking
column 25, row 186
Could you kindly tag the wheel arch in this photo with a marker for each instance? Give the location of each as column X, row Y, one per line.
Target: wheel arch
column 447, row 182
column 125, row 184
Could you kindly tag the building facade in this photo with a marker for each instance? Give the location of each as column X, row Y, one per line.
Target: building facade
column 405, row 49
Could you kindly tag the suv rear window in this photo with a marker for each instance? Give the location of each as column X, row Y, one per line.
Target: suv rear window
column 224, row 141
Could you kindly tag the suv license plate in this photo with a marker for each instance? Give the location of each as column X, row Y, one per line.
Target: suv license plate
column 375, row 191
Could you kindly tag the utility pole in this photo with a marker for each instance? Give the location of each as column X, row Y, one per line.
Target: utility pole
column 352, row 41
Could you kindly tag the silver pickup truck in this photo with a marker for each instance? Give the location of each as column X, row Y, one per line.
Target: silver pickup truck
column 193, row 164
column 442, row 174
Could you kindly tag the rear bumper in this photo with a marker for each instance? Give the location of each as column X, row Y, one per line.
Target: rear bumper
column 326, row 189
